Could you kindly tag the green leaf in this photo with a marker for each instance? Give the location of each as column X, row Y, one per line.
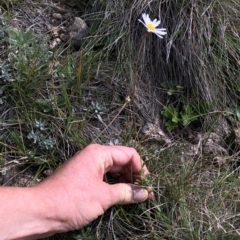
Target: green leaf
column 171, row 113
column 238, row 114
column 170, row 92
column 228, row 112
column 171, row 125
column 188, row 115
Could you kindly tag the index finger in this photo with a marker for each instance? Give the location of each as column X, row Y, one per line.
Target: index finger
column 126, row 160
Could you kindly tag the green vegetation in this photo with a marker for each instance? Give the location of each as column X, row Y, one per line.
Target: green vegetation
column 55, row 102
column 190, row 112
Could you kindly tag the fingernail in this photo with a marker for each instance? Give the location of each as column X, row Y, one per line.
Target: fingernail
column 140, row 194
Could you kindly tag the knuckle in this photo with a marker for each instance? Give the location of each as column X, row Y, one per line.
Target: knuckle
column 93, row 146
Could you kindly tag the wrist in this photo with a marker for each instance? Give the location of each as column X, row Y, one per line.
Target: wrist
column 28, row 214
column 47, row 213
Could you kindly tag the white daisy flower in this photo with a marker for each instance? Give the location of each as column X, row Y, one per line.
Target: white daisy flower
column 152, row 25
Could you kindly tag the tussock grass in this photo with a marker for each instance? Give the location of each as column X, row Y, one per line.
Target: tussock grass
column 200, row 51
column 194, row 200
column 56, row 102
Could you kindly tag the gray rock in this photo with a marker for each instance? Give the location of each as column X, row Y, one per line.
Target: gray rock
column 78, row 31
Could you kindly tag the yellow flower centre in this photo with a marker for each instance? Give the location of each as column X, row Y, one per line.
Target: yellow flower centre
column 151, row 27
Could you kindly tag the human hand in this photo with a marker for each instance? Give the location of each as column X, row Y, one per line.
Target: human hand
column 77, row 193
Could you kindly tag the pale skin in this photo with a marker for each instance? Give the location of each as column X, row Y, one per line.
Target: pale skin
column 74, row 195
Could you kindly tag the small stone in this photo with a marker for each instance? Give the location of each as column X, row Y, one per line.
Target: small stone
column 49, row 27
column 54, row 32
column 67, row 15
column 127, row 99
column 55, row 22
column 54, row 43
column 64, row 37
column 57, row 16
column 62, row 29
column 48, row 172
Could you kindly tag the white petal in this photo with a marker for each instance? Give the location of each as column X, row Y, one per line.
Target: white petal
column 160, row 31
column 142, row 22
column 159, row 35
column 157, row 23
column 146, row 18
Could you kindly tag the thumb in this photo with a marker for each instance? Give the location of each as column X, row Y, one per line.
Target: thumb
column 123, row 193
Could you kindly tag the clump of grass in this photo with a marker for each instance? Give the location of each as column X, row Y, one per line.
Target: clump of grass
column 35, row 97
column 199, row 53
column 194, row 200
column 6, row 4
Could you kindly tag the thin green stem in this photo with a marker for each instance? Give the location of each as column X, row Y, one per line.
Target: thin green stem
column 136, row 68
